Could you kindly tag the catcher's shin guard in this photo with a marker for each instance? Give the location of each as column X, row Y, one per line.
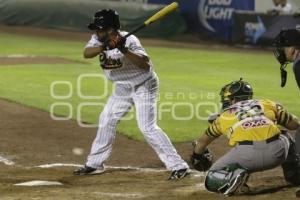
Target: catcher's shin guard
column 226, row 180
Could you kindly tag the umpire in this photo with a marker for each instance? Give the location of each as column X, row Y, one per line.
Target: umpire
column 287, row 50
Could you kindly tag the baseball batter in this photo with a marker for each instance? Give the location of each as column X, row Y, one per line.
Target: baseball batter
column 126, row 64
column 252, row 128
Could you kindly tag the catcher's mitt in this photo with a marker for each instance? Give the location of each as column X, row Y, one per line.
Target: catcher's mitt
column 203, row 161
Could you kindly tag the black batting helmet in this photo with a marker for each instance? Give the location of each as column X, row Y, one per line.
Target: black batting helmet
column 286, row 38
column 236, row 90
column 104, row 19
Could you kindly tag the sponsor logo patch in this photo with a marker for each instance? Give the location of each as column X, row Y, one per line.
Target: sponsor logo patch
column 254, row 123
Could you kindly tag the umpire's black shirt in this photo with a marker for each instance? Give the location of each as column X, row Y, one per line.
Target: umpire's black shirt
column 296, row 69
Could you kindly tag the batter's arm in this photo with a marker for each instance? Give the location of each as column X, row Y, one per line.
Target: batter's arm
column 91, row 52
column 141, row 61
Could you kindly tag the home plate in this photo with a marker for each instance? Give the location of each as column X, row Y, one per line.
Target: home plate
column 38, row 183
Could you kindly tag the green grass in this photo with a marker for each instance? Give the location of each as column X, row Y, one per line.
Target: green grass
column 186, row 76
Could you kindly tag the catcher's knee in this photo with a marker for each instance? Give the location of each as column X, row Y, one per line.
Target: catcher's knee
column 226, row 180
column 291, row 166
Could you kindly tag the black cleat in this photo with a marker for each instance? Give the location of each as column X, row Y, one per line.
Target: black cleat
column 86, row 170
column 179, row 174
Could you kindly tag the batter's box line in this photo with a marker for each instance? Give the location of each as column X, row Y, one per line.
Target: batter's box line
column 156, row 170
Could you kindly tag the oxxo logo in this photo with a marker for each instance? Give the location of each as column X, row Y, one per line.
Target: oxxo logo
column 254, row 123
column 214, row 10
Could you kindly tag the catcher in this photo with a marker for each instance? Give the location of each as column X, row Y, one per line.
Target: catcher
column 253, row 130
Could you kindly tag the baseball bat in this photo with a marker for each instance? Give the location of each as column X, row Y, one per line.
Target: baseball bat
column 160, row 14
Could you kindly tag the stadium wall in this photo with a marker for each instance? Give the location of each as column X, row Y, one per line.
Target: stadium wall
column 76, row 14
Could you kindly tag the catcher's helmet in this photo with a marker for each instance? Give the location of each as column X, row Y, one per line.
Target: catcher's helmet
column 236, row 90
column 286, row 38
column 104, row 19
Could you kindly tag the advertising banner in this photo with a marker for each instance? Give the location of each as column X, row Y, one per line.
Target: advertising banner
column 210, row 17
column 260, row 28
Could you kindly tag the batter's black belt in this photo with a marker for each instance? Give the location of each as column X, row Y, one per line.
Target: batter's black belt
column 269, row 140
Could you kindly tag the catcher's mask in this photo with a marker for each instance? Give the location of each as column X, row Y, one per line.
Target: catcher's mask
column 236, row 90
column 286, row 38
column 105, row 19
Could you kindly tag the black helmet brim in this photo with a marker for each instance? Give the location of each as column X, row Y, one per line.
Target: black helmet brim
column 93, row 27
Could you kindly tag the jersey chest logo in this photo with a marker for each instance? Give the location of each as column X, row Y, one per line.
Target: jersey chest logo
column 255, row 123
column 109, row 62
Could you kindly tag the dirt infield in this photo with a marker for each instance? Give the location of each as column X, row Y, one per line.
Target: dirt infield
column 29, row 138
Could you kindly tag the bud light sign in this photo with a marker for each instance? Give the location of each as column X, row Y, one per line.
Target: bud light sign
column 215, row 16
column 210, row 10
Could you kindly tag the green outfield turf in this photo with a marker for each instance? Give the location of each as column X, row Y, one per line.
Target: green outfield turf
column 190, row 81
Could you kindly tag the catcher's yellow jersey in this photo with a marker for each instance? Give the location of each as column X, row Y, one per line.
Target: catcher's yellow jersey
column 252, row 120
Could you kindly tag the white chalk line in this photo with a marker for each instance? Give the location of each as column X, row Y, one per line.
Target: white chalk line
column 53, row 165
column 57, row 165
column 6, row 161
column 195, row 173
column 38, row 183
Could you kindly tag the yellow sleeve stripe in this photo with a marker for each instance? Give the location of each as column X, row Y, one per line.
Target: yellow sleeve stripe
column 215, row 127
column 206, row 133
column 209, row 133
column 284, row 118
column 281, row 117
column 214, row 130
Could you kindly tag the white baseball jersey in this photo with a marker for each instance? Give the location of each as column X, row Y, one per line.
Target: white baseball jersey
column 117, row 67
